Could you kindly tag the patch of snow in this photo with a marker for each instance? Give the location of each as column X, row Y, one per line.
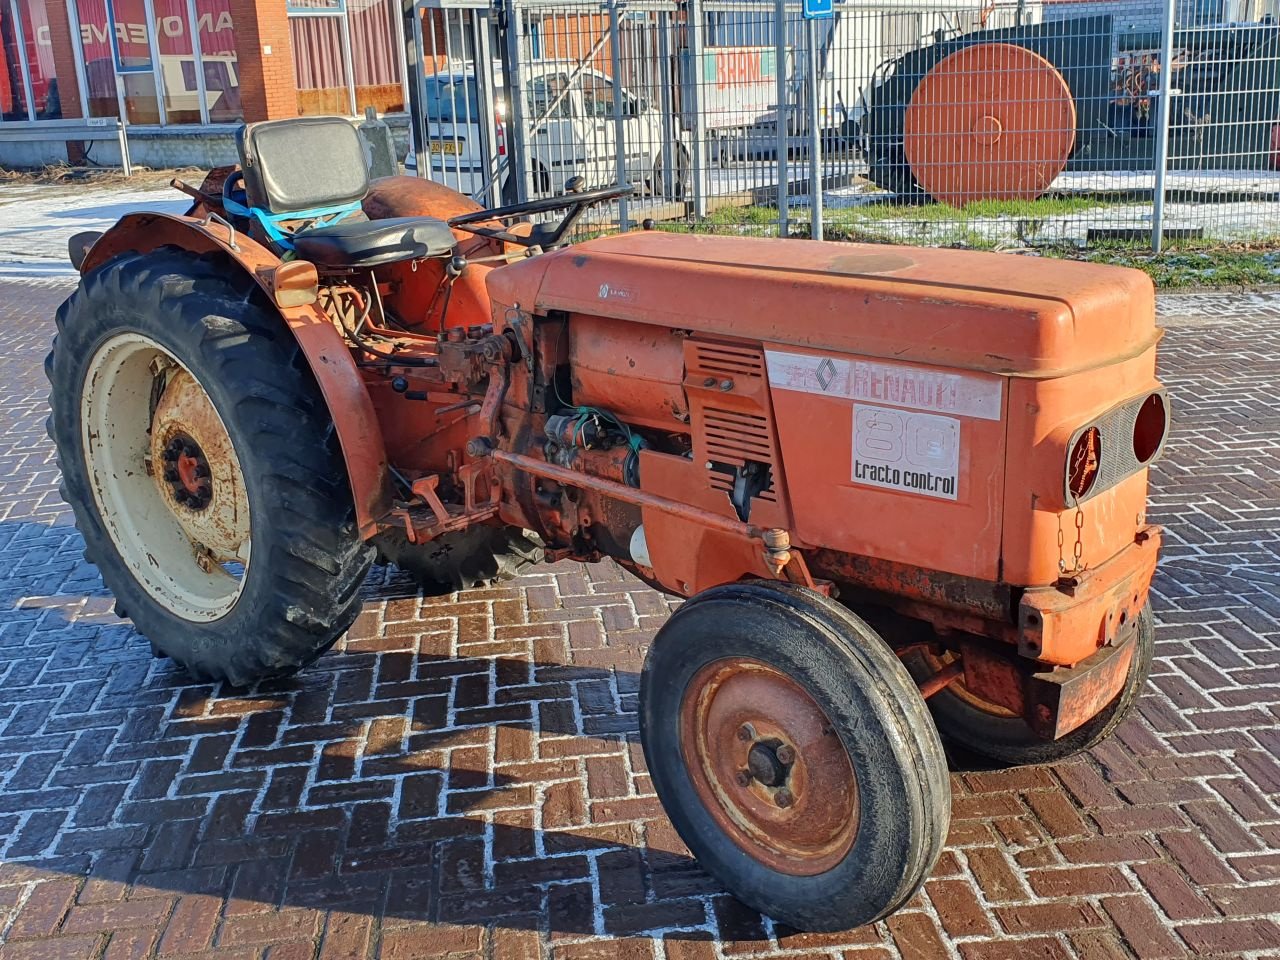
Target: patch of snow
column 37, row 220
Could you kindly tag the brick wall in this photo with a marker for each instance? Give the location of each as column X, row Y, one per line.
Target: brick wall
column 267, row 85
column 1130, row 15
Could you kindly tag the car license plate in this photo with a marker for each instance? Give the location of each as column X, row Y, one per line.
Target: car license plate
column 446, row 146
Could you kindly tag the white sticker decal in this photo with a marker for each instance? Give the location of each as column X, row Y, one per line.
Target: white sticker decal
column 616, row 293
column 900, row 450
column 898, row 384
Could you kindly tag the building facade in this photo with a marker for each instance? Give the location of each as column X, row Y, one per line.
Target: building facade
column 183, row 74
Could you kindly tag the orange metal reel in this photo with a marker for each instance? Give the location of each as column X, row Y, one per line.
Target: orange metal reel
column 993, row 121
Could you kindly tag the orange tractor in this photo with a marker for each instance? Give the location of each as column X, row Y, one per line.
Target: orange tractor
column 904, row 490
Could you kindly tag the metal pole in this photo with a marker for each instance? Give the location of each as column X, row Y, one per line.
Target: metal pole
column 197, row 60
column 417, row 102
column 401, row 46
column 518, row 132
column 783, row 114
column 126, row 162
column 82, row 83
column 1162, row 122
column 619, row 123
column 23, row 66
column 670, row 127
column 815, row 135
column 348, row 61
column 486, row 101
column 699, row 153
column 153, row 44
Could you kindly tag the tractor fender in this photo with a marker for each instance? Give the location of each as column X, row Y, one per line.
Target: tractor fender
column 344, row 390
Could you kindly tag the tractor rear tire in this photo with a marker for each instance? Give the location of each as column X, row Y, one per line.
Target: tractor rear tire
column 794, row 755
column 202, row 466
column 1005, row 739
column 475, row 557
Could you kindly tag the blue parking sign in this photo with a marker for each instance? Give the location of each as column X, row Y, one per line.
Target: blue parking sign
column 818, row 9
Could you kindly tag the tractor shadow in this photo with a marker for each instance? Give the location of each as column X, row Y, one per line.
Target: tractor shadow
column 361, row 785
column 495, row 790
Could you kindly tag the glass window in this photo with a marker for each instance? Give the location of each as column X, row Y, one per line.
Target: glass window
column 131, row 49
column 13, row 91
column 133, row 46
column 597, row 95
column 177, row 62
column 319, row 65
column 543, row 92
column 376, row 55
column 44, row 73
column 218, row 52
column 95, row 41
column 140, row 98
column 451, row 99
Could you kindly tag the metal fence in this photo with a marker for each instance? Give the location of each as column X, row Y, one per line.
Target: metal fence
column 958, row 122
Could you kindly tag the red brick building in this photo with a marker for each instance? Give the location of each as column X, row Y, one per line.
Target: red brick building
column 182, row 74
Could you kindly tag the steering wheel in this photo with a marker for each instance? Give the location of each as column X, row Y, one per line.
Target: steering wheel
column 542, row 235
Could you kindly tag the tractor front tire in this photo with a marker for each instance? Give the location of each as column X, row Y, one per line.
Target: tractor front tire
column 202, row 466
column 794, row 755
column 475, row 557
column 1005, row 739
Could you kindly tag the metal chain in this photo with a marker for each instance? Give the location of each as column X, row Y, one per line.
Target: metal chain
column 1077, row 550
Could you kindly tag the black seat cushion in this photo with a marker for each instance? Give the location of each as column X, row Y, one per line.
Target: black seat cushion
column 368, row 243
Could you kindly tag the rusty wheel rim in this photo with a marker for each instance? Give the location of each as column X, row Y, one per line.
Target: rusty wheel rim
column 768, row 766
column 957, row 688
column 165, row 477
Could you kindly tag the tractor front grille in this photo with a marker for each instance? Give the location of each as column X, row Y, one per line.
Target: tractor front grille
column 731, row 415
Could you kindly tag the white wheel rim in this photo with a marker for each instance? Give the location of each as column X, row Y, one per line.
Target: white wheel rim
column 184, row 535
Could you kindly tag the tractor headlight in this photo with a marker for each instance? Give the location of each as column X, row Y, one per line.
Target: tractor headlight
column 1150, row 427
column 1115, row 446
column 1083, row 463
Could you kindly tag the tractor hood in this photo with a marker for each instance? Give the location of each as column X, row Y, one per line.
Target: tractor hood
column 1000, row 313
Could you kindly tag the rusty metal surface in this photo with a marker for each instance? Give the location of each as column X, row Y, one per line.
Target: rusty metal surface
column 185, row 416
column 327, row 353
column 606, row 354
column 994, row 682
column 1065, row 624
column 944, row 678
column 1061, row 699
column 767, row 766
column 992, row 121
column 981, row 598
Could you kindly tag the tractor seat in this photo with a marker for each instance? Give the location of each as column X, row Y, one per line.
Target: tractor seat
column 313, row 170
column 369, row 243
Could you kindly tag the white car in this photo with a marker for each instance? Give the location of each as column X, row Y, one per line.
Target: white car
column 570, row 115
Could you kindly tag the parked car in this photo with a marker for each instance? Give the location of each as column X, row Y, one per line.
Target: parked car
column 570, row 113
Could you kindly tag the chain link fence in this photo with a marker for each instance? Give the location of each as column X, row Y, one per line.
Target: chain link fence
column 953, row 122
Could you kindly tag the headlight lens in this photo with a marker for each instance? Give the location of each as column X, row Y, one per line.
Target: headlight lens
column 1149, row 428
column 1083, row 464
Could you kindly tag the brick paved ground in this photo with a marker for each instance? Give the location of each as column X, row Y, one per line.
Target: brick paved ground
column 462, row 777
